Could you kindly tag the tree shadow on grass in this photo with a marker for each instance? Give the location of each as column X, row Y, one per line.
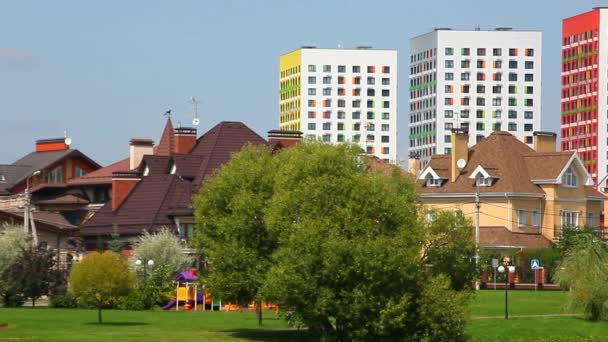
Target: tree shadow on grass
column 274, row 335
column 118, row 324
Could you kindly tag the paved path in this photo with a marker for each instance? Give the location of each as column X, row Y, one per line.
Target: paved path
column 524, row 316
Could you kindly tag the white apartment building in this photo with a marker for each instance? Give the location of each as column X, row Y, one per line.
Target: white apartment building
column 341, row 95
column 480, row 80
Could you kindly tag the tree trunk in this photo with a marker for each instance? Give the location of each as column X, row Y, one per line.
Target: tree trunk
column 258, row 311
column 99, row 313
column 33, row 302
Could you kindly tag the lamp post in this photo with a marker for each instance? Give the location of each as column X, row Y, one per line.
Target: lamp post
column 145, row 263
column 507, row 266
column 28, row 219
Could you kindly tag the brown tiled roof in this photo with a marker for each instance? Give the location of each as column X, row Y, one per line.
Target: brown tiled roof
column 101, row 176
column 44, row 219
column 495, row 237
column 11, row 173
column 160, row 195
column 502, row 155
column 64, row 199
column 592, row 192
column 166, row 144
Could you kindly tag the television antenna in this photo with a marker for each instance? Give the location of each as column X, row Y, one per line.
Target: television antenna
column 195, row 121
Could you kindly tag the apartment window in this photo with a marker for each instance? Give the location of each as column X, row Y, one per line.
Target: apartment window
column 481, row 114
column 512, row 64
column 464, row 114
column 528, row 128
column 449, row 76
column 464, row 101
column 370, row 138
column 481, row 51
column 385, row 127
column 479, row 138
column 385, row 139
column 369, row 150
column 497, row 64
column 370, row 115
column 529, row 77
column 465, row 89
column 481, row 76
column 327, row 103
column 448, row 114
column 341, row 103
column 449, row 51
column 496, row 89
column 530, row 52
column 357, row 80
column 340, row 138
column 356, row 69
column 386, row 92
column 385, row 150
column 371, row 80
column 569, row 178
column 340, row 126
column 569, row 218
column 356, row 138
column 448, row 126
column 529, row 90
column 341, row 114
column 481, row 89
column 512, row 127
column 512, row 77
column 512, row 89
column 356, row 115
column 529, row 65
column 528, row 115
column 512, row 101
column 449, row 63
column 357, row 92
column 528, row 102
column 512, row 114
column 370, row 104
column 481, row 101
column 521, row 217
column 497, row 76
column 496, row 126
column 327, row 126
column 356, row 103
column 497, row 114
column 371, row 92
column 312, row 91
column 496, row 52
column 481, row 63
column 341, row 80
column 465, row 76
column 371, row 69
column 386, row 69
column 512, row 52
column 465, row 51
column 357, row 127
column 448, row 101
column 327, row 80
column 327, row 114
column 386, row 81
column 465, row 64
column 386, row 104
column 480, row 126
column 326, row 137
column 497, row 101
column 341, row 68
column 312, row 103
column 326, row 91
column 327, row 68
column 312, row 80
column 312, row 115
column 312, row 68
column 312, row 126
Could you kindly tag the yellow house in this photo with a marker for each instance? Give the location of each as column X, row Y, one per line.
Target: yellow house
column 525, row 195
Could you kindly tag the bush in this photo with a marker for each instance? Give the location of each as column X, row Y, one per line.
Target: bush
column 13, row 298
column 136, row 300
column 63, row 301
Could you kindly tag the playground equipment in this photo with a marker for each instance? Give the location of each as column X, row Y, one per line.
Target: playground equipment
column 190, row 293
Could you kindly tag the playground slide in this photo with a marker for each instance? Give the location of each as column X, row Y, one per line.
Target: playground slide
column 170, row 304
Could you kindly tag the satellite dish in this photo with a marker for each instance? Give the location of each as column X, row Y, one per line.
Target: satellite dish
column 68, row 141
column 196, row 121
column 461, row 163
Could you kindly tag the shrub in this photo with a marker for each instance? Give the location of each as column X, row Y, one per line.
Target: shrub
column 63, row 301
column 136, row 300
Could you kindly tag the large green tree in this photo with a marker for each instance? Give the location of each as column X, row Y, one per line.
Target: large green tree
column 101, row 279
column 12, row 242
column 329, row 234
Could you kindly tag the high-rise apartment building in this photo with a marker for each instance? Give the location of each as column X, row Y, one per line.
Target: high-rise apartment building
column 480, row 80
column 341, row 95
column 584, row 95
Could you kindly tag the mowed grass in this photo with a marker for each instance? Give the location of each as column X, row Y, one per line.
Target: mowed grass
column 486, row 308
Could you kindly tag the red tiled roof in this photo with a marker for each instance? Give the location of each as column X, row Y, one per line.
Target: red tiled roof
column 166, row 144
column 50, row 220
column 101, row 176
column 160, row 195
column 501, row 237
column 64, row 199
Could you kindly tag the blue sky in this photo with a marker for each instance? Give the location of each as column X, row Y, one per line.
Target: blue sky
column 107, row 70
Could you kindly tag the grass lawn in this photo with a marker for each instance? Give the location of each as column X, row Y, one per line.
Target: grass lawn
column 487, row 323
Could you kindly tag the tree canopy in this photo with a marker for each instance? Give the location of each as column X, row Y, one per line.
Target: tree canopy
column 333, row 236
column 101, row 279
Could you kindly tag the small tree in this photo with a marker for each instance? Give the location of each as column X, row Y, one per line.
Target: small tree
column 115, row 245
column 12, row 241
column 33, row 273
column 585, row 271
column 164, row 248
column 101, row 278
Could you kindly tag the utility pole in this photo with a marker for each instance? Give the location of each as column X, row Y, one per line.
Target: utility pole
column 477, row 207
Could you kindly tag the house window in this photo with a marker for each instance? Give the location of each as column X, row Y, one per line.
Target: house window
column 433, row 182
column 521, row 217
column 186, row 230
column 569, row 178
column 535, row 218
column 78, row 172
column 483, row 181
column 590, row 220
column 569, row 218
column 55, row 176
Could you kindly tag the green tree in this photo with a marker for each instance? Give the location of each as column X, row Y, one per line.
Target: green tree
column 33, row 273
column 101, row 278
column 584, row 270
column 449, row 247
column 12, row 242
column 328, row 234
column 165, row 250
column 115, row 245
column 231, row 231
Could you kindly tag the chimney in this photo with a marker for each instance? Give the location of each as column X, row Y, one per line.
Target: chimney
column 137, row 149
column 413, row 164
column 185, row 139
column 46, row 145
column 544, row 141
column 460, row 150
column 122, row 184
column 284, row 138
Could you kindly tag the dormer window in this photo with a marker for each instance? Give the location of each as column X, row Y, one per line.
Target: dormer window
column 146, row 171
column 569, row 178
column 434, row 182
column 484, row 181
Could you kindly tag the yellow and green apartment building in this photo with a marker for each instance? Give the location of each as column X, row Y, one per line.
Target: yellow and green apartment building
column 526, row 195
column 341, row 95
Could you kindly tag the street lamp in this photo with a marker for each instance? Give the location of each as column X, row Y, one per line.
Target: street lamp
column 145, row 263
column 503, row 269
column 28, row 218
